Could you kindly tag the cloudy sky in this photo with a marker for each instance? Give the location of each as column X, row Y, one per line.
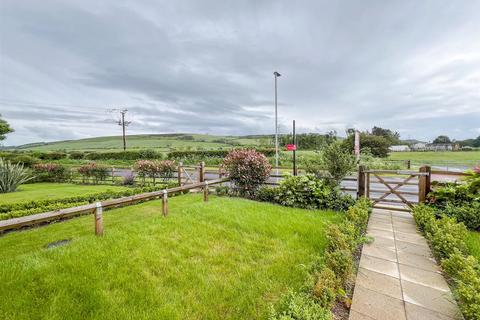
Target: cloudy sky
column 207, row 66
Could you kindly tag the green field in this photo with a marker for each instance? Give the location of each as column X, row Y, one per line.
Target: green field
column 228, row 258
column 156, row 141
column 473, row 243
column 427, row 157
column 45, row 191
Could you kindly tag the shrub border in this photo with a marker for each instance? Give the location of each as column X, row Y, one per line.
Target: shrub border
column 446, row 238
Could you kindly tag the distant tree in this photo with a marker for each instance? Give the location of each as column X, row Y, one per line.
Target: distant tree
column 392, row 136
column 4, row 128
column 442, row 139
column 476, row 142
column 378, row 145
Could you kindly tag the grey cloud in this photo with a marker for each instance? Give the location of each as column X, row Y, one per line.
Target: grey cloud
column 206, row 66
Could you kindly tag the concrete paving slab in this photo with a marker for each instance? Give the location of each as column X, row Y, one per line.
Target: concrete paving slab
column 430, row 298
column 380, row 233
column 388, row 243
column 379, row 252
column 379, row 265
column 376, row 305
column 415, row 312
column 418, row 261
column 379, row 282
column 426, row 278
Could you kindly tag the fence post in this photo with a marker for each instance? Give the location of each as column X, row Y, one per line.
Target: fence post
column 361, row 182
column 409, row 164
column 99, row 219
column 205, row 192
column 424, row 184
column 201, row 173
column 165, row 203
column 179, row 173
column 113, row 175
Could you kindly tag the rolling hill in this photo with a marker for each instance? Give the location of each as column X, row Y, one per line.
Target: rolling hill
column 161, row 142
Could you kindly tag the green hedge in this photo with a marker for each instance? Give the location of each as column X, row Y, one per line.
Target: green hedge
column 174, row 155
column 26, row 208
column 330, row 277
column 446, row 238
column 124, row 155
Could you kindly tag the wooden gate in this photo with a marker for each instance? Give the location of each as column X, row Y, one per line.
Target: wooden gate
column 396, row 189
column 190, row 174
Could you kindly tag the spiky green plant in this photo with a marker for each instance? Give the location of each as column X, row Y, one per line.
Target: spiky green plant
column 12, row 175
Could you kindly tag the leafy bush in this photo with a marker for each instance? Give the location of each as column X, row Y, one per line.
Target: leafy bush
column 466, row 274
column 49, row 172
column 266, row 194
column 97, row 172
column 155, row 169
column 12, row 175
column 25, row 160
column 341, row 263
column 222, row 191
column 377, row 145
column 247, row 170
column 311, row 192
column 76, row 155
column 469, row 214
column 337, row 161
column 326, row 287
column 52, row 155
column 299, row 306
column 446, row 238
column 128, row 179
column 124, row 155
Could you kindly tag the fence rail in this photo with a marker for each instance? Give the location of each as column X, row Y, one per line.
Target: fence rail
column 97, row 208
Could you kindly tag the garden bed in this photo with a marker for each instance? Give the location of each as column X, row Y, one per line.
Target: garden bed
column 228, row 258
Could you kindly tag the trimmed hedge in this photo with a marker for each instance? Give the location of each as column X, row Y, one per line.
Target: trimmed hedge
column 124, row 155
column 330, row 277
column 26, row 208
column 446, row 238
column 210, row 153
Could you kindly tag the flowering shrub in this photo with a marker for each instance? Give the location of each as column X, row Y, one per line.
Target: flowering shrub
column 49, row 172
column 93, row 170
column 247, row 169
column 154, row 168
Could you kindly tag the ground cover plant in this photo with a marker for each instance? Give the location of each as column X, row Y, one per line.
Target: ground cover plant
column 191, row 265
column 448, row 241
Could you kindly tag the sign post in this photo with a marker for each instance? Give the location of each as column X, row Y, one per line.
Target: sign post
column 293, row 147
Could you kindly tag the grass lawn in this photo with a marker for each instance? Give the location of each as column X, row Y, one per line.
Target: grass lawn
column 466, row 157
column 225, row 259
column 44, row 191
column 473, row 243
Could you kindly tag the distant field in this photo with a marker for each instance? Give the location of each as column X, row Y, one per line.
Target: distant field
column 466, row 157
column 161, row 142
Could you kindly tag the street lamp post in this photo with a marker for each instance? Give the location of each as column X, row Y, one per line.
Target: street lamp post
column 276, row 75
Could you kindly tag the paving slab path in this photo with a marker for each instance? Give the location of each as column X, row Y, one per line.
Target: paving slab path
column 398, row 277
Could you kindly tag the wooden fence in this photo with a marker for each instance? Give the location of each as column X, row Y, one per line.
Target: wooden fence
column 97, row 208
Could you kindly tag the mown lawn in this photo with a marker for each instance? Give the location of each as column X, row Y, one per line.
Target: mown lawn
column 473, row 243
column 438, row 157
column 44, row 191
column 225, row 259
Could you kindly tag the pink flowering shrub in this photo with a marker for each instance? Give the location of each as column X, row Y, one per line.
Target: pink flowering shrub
column 49, row 172
column 163, row 169
column 247, row 169
column 97, row 172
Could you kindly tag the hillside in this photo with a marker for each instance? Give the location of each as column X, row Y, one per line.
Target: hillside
column 163, row 142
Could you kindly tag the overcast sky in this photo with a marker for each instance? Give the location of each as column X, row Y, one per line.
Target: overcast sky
column 207, row 66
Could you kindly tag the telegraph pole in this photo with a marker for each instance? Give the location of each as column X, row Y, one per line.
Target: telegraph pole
column 124, row 124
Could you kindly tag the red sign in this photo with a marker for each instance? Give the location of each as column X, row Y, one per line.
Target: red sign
column 291, row 147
